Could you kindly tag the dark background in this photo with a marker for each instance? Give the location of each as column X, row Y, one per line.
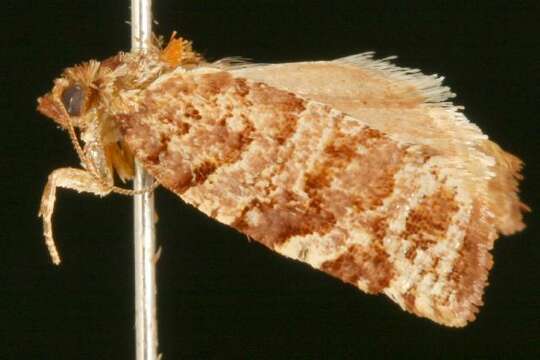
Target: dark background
column 221, row 297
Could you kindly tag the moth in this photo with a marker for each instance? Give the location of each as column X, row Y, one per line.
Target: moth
column 355, row 166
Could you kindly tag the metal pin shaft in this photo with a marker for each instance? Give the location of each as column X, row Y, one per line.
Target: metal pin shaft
column 144, row 231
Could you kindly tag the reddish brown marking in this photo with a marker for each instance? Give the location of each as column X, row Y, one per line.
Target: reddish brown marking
column 411, row 253
column 469, row 271
column 202, row 172
column 140, row 137
column 317, row 180
column 214, row 83
column 241, row 87
column 151, row 146
column 409, row 298
column 365, row 180
column 231, row 145
column 379, row 227
column 192, row 112
column 178, row 175
column 285, row 106
column 288, row 128
column 282, row 217
column 180, row 86
column 237, row 142
column 278, row 100
column 183, row 128
column 429, row 221
column 359, row 263
column 436, row 261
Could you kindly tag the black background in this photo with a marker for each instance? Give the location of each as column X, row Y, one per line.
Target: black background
column 220, row 296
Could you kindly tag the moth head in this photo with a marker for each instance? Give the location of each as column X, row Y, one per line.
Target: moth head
column 75, row 104
column 73, row 97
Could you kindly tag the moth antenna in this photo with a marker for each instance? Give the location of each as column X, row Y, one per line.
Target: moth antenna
column 78, row 148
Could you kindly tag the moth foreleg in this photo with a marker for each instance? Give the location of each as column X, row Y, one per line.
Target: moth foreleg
column 68, row 178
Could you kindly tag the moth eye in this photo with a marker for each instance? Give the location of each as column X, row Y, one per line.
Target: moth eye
column 73, row 99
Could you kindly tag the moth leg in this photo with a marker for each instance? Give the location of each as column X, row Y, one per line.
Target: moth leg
column 68, row 178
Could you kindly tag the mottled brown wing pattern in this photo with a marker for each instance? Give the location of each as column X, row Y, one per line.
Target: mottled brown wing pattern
column 320, row 186
column 411, row 107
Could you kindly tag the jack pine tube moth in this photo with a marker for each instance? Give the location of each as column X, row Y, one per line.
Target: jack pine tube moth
column 358, row 167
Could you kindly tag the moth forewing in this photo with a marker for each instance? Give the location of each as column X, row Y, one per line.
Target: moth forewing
column 357, row 167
